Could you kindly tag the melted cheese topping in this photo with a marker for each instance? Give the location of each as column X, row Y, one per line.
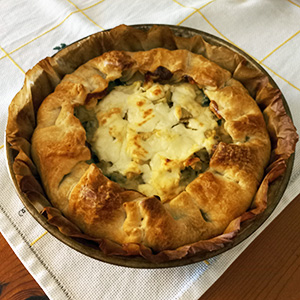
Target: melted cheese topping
column 148, row 135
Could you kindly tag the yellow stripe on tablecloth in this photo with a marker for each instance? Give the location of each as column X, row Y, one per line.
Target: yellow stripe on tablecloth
column 248, row 53
column 7, row 55
column 196, row 10
column 279, row 46
column 86, row 14
column 37, row 239
column 205, row 4
column 1, row 146
column 181, row 4
column 187, row 17
column 280, row 77
column 93, row 5
column 49, row 30
column 193, row 7
column 294, row 3
column 221, row 34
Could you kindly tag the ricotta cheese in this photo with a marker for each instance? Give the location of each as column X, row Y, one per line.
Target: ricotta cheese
column 149, row 137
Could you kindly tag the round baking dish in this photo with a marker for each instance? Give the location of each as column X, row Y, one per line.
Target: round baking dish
column 275, row 192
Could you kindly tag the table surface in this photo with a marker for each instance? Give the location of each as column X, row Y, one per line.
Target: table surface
column 268, row 269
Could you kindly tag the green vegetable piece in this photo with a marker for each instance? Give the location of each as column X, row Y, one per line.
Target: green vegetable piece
column 205, row 101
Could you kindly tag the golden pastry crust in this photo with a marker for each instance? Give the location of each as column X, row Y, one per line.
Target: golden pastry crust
column 96, row 204
column 207, row 214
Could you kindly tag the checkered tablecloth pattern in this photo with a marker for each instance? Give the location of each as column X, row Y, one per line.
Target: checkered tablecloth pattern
column 268, row 30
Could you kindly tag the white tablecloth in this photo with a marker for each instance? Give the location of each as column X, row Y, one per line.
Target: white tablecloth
column 31, row 30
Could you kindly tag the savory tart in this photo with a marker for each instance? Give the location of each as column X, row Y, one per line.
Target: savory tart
column 173, row 163
column 155, row 149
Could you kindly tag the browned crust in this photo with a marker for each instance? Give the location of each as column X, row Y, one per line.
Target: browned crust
column 232, row 167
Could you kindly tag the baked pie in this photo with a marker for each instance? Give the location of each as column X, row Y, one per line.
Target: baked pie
column 159, row 151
